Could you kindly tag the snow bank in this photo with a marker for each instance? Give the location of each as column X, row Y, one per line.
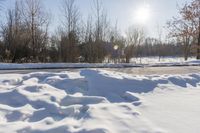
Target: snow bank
column 11, row 66
column 136, row 62
column 99, row 101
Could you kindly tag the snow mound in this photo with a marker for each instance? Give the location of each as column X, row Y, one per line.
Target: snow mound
column 96, row 101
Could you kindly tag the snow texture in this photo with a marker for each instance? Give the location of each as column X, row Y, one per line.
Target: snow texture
column 99, row 101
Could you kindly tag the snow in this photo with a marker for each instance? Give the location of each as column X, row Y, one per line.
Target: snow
column 14, row 66
column 135, row 62
column 165, row 61
column 99, row 101
column 156, row 60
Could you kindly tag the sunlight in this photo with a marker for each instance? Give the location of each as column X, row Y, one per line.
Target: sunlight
column 142, row 14
column 116, row 47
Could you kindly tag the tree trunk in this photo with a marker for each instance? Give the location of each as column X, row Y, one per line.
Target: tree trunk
column 127, row 59
column 186, row 53
column 198, row 45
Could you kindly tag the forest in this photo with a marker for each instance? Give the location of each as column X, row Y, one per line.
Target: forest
column 25, row 36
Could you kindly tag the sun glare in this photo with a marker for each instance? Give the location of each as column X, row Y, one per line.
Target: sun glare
column 142, row 14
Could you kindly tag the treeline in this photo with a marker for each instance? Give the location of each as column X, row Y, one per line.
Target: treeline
column 25, row 37
column 152, row 47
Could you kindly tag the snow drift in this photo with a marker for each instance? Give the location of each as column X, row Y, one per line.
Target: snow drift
column 99, row 101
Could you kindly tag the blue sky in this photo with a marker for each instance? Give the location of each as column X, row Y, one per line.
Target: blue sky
column 121, row 11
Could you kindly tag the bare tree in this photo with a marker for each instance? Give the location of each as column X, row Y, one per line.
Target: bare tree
column 160, row 34
column 71, row 15
column 89, row 30
column 70, row 36
column 101, row 23
column 11, row 33
column 185, row 27
column 191, row 13
column 134, row 37
column 1, row 5
column 98, row 10
column 37, row 21
column 118, row 44
column 100, row 32
column 87, row 48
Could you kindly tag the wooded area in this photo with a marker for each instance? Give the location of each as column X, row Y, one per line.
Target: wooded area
column 25, row 35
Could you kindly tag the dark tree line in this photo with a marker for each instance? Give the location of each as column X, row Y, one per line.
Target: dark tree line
column 153, row 47
column 25, row 33
column 25, row 36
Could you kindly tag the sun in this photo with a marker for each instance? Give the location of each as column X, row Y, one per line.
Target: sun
column 142, row 14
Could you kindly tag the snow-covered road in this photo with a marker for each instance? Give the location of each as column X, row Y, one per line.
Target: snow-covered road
column 133, row 71
column 158, row 70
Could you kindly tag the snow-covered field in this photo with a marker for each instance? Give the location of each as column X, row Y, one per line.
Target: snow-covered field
column 156, row 60
column 99, row 101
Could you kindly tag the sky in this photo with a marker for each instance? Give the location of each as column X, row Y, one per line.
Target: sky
column 124, row 12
